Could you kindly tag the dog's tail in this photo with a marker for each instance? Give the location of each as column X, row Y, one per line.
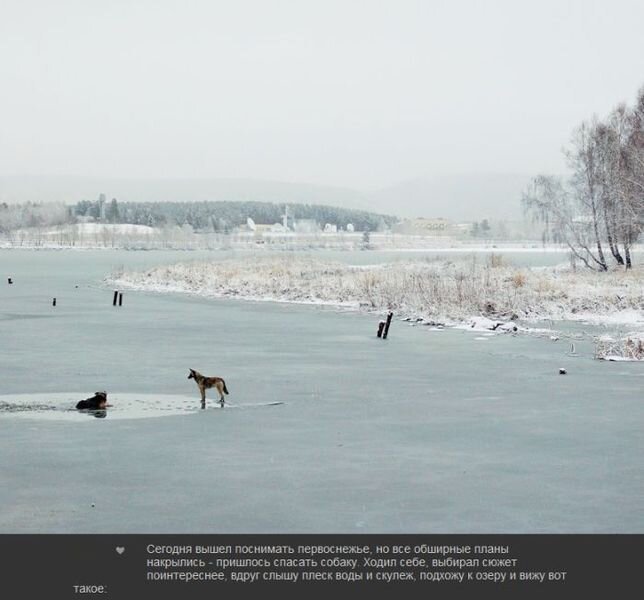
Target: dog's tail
column 225, row 388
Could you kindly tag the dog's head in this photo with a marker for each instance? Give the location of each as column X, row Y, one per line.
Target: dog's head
column 102, row 399
column 192, row 374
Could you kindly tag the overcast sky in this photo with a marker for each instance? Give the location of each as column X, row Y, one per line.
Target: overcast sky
column 350, row 93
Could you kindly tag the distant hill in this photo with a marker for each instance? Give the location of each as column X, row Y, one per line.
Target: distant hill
column 467, row 197
column 71, row 190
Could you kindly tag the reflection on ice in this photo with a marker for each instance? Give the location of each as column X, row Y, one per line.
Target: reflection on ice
column 98, row 413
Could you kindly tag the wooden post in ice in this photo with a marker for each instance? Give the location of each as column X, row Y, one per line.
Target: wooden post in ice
column 381, row 326
column 9, row 280
column 121, row 299
column 386, row 331
column 54, row 302
column 116, row 295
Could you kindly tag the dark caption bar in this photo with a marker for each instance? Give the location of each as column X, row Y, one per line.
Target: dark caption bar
column 196, row 566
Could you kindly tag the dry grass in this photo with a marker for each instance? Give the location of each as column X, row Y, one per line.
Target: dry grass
column 443, row 290
column 630, row 347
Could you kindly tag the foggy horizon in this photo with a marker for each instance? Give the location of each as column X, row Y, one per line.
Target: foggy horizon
column 347, row 95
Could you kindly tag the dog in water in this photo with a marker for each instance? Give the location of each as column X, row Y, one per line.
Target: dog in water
column 205, row 383
column 97, row 402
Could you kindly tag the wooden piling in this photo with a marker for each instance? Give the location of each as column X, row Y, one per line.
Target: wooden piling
column 116, row 295
column 121, row 299
column 381, row 326
column 386, row 331
column 9, row 280
column 53, row 302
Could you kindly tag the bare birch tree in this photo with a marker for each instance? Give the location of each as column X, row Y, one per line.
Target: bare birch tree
column 601, row 204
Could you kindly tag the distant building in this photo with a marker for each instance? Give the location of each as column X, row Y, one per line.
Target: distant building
column 285, row 219
column 350, row 227
column 251, row 227
column 330, row 228
column 102, row 206
column 423, row 226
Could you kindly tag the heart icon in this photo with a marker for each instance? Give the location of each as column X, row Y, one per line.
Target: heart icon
column 120, row 549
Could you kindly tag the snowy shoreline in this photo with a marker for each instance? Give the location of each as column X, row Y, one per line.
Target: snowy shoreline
column 442, row 292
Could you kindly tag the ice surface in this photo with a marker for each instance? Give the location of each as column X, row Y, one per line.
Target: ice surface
column 422, row 432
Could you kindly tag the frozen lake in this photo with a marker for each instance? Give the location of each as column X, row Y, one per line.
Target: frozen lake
column 428, row 431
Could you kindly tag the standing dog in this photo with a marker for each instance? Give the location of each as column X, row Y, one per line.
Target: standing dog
column 205, row 383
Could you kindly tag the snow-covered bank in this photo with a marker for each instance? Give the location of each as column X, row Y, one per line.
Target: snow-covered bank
column 627, row 348
column 440, row 291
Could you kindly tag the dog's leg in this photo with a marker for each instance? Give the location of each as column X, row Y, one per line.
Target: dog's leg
column 202, row 389
column 220, row 389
